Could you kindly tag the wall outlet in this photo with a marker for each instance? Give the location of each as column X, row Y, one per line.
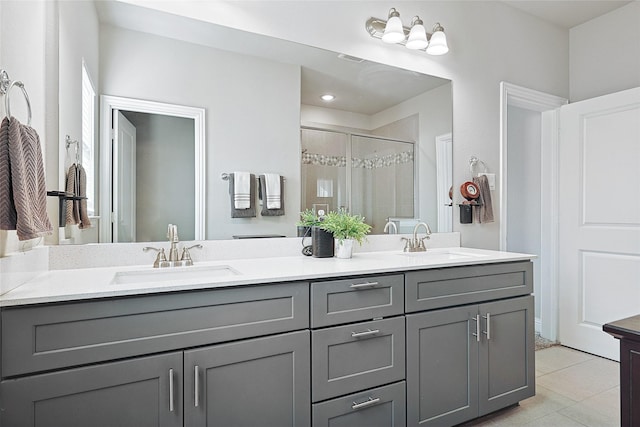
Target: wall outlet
column 491, row 177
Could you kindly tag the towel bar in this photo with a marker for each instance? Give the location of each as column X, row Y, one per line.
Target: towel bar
column 225, row 177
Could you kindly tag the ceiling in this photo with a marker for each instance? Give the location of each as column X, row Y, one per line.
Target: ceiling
column 360, row 86
column 567, row 13
column 364, row 88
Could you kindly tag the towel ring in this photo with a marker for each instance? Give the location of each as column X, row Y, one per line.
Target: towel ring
column 7, row 103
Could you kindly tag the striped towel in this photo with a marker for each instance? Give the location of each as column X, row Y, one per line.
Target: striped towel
column 23, row 195
column 272, row 190
column 242, row 190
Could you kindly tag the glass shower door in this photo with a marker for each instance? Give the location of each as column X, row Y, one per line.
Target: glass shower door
column 382, row 179
column 324, row 171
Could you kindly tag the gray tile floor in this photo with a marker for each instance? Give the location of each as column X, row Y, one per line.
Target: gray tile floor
column 572, row 389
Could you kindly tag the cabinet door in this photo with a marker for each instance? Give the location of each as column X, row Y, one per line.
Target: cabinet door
column 442, row 367
column 259, row 382
column 140, row 392
column 378, row 407
column 507, row 363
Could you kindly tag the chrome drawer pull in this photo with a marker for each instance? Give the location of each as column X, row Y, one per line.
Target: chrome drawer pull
column 488, row 331
column 364, row 285
column 171, row 390
column 196, row 383
column 367, row 333
column 369, row 402
column 477, row 333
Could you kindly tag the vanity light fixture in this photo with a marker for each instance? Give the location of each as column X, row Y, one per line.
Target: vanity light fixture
column 393, row 31
column 414, row 37
column 328, row 97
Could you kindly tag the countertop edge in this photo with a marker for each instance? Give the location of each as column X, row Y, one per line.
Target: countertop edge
column 32, row 295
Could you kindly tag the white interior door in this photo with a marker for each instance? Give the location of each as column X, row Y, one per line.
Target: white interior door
column 124, row 177
column 599, row 219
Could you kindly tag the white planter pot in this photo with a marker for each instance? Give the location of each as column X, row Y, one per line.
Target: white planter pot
column 344, row 249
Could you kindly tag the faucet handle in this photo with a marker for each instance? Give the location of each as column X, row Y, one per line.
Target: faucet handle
column 186, row 256
column 407, row 244
column 160, row 258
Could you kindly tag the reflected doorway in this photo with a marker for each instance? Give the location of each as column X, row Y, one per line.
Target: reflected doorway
column 151, row 170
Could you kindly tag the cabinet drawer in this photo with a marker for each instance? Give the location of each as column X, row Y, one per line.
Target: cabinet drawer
column 357, row 357
column 45, row 337
column 446, row 287
column 352, row 300
column 378, row 407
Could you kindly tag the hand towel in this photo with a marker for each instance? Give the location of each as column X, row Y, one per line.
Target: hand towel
column 483, row 213
column 272, row 189
column 23, row 195
column 243, row 213
column 263, row 191
column 241, row 190
column 76, row 209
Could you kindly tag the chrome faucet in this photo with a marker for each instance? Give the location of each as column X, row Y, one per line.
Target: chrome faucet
column 172, row 235
column 417, row 244
column 174, row 260
column 388, row 225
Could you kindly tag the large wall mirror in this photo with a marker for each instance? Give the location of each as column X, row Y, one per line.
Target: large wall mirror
column 259, row 97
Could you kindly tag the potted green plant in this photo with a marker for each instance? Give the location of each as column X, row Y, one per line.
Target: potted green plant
column 308, row 219
column 346, row 228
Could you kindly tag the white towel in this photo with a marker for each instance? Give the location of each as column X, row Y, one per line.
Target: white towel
column 272, row 188
column 242, row 190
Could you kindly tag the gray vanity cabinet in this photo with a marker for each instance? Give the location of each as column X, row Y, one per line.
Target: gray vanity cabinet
column 257, row 382
column 469, row 361
column 140, row 392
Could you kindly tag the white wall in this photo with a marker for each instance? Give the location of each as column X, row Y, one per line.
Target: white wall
column 605, row 54
column 252, row 114
column 26, row 38
column 490, row 42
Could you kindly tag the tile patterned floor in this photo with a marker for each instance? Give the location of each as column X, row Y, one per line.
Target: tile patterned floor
column 572, row 389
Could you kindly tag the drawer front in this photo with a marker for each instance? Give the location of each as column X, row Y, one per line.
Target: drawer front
column 446, row 287
column 357, row 357
column 352, row 300
column 378, row 407
column 47, row 337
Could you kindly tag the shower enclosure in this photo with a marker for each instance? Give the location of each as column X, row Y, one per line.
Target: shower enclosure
column 367, row 175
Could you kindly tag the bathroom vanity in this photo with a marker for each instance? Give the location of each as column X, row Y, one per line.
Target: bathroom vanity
column 383, row 339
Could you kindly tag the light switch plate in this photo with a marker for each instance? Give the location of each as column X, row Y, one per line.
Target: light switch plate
column 491, row 177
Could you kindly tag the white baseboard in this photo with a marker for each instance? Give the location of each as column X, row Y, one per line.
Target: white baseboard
column 538, row 325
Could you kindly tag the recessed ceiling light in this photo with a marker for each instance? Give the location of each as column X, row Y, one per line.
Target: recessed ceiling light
column 328, row 97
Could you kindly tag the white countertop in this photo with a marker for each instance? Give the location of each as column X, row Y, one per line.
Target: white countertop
column 87, row 283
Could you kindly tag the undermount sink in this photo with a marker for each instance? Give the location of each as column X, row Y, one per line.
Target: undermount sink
column 442, row 254
column 196, row 274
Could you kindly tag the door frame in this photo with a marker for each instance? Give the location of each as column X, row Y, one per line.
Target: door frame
column 548, row 105
column 116, row 178
column 110, row 103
